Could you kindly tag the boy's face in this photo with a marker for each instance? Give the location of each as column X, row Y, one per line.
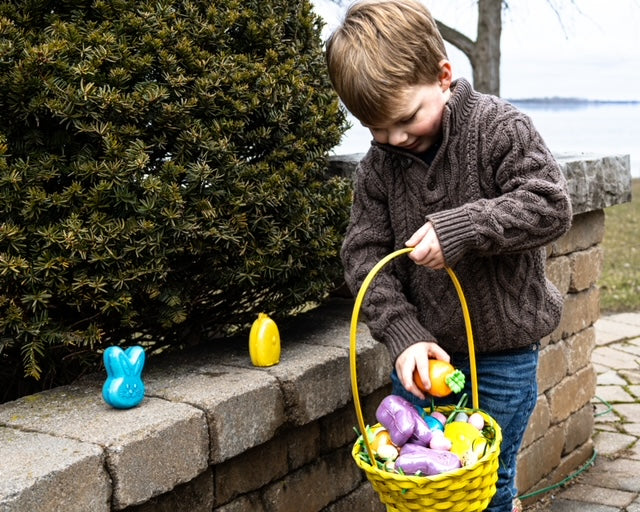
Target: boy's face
column 418, row 122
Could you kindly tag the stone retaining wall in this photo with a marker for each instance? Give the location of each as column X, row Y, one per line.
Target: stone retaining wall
column 216, row 434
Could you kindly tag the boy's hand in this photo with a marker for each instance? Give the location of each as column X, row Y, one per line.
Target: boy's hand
column 427, row 250
column 417, row 356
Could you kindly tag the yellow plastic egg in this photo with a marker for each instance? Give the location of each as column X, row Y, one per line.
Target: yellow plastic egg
column 462, row 435
column 264, row 341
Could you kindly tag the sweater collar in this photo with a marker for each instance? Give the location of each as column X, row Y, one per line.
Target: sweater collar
column 461, row 93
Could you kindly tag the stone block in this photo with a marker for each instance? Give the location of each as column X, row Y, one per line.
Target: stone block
column 330, row 325
column 337, row 429
column 568, row 465
column 344, row 165
column 586, row 267
column 581, row 310
column 231, row 397
column 246, row 503
column 314, row 380
column 547, row 340
column 303, row 444
column 571, row 463
column 323, row 325
column 314, row 486
column 540, row 458
column 635, row 506
column 44, row 473
column 148, row 449
column 586, row 231
column 571, row 394
column 250, row 470
column 578, row 429
column 538, row 423
column 579, row 348
column 373, row 363
column 363, row 498
column 194, row 496
column 552, row 366
column 558, row 271
column 596, row 181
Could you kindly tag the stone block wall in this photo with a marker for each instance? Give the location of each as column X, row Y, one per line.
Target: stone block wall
column 217, row 434
column 558, row 439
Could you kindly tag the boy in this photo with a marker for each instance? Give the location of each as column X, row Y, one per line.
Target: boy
column 466, row 180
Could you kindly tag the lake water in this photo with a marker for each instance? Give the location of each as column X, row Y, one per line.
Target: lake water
column 592, row 127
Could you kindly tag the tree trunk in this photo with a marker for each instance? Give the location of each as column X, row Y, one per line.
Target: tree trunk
column 483, row 54
column 485, row 59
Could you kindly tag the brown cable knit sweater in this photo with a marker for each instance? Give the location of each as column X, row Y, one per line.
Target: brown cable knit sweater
column 496, row 196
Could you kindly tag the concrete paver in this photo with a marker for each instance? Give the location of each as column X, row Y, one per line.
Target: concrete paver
column 611, row 378
column 614, row 394
column 610, row 443
column 577, row 506
column 632, row 376
column 613, row 358
column 599, row 495
column 635, row 506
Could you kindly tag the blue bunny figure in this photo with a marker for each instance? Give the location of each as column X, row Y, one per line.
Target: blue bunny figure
column 123, row 388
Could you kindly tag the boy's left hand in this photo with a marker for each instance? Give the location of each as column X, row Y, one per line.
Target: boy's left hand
column 427, row 250
column 417, row 356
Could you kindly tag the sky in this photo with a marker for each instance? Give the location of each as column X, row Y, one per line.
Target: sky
column 581, row 49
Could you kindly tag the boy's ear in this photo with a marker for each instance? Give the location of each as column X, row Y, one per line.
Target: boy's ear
column 446, row 74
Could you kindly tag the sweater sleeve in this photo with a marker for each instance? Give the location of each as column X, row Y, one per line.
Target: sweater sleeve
column 391, row 318
column 530, row 206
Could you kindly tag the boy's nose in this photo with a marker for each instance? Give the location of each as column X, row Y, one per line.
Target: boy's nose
column 397, row 137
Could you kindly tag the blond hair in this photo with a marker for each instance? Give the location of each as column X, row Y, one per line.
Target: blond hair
column 381, row 48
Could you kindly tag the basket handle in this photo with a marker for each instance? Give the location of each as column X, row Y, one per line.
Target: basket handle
column 354, row 331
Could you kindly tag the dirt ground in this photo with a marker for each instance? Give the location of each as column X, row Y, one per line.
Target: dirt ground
column 543, row 504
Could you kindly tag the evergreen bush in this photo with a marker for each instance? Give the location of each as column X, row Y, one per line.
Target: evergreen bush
column 162, row 171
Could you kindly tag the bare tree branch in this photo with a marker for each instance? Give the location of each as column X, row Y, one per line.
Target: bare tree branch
column 456, row 38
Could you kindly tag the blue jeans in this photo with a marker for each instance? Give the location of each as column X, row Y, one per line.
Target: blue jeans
column 507, row 391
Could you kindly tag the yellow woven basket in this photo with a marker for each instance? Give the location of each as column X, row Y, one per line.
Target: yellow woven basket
column 467, row 489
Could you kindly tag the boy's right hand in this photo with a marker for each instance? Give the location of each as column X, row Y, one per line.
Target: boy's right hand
column 426, row 247
column 417, row 356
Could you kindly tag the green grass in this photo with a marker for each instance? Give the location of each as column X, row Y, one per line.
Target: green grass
column 620, row 280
